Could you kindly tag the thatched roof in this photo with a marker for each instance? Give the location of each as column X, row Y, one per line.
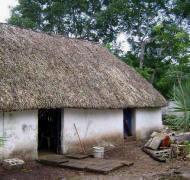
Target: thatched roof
column 38, row 70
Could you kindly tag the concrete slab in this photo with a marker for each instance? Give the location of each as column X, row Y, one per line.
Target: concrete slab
column 159, row 155
column 53, row 160
column 95, row 165
column 73, row 164
column 88, row 164
column 77, row 156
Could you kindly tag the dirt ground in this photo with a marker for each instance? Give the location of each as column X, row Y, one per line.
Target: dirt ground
column 143, row 164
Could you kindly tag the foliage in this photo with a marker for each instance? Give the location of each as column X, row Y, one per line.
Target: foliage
column 2, row 141
column 182, row 101
column 156, row 42
column 145, row 72
column 71, row 18
column 168, row 48
column 170, row 121
column 187, row 147
column 180, row 8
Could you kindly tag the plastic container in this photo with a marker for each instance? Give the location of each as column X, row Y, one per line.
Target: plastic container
column 98, row 152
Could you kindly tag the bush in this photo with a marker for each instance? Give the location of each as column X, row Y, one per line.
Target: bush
column 2, row 141
column 182, row 101
column 174, row 122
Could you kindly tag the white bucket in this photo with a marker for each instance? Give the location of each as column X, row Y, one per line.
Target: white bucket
column 98, row 152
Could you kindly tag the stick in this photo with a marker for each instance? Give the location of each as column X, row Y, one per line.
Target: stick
column 81, row 144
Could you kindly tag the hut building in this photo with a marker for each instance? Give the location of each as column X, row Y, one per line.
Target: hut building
column 48, row 83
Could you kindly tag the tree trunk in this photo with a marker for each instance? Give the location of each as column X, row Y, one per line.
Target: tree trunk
column 143, row 44
column 153, row 76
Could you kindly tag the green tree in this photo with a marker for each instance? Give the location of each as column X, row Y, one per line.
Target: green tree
column 135, row 18
column 168, row 46
column 181, row 10
column 68, row 17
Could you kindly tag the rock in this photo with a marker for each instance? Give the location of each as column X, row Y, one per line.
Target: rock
column 180, row 138
column 12, row 164
column 154, row 134
column 148, row 142
column 155, row 141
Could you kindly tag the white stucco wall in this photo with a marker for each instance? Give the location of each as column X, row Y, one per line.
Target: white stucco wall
column 147, row 120
column 91, row 124
column 20, row 130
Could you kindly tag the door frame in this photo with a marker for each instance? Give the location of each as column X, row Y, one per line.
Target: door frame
column 127, row 122
column 58, row 129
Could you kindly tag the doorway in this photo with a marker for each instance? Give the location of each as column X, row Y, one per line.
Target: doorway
column 49, row 130
column 127, row 122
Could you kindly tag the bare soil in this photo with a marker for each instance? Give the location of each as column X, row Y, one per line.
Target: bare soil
column 143, row 164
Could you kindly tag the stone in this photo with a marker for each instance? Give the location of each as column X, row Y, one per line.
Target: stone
column 154, row 134
column 180, row 138
column 10, row 164
column 148, row 142
column 154, row 143
column 155, row 140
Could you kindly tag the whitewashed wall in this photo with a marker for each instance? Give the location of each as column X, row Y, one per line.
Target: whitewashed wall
column 90, row 124
column 20, row 130
column 147, row 120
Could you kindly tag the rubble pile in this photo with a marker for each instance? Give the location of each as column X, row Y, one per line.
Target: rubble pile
column 163, row 146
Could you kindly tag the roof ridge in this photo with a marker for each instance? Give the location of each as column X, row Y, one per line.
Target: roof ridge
column 51, row 34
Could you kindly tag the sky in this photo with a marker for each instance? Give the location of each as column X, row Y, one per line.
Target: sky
column 5, row 9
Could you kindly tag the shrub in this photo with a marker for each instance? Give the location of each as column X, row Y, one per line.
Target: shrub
column 2, row 141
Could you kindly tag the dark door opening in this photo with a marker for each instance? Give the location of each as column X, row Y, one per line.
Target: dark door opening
column 49, row 130
column 127, row 122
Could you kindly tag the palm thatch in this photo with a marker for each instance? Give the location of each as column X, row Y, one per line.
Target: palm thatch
column 50, row 71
